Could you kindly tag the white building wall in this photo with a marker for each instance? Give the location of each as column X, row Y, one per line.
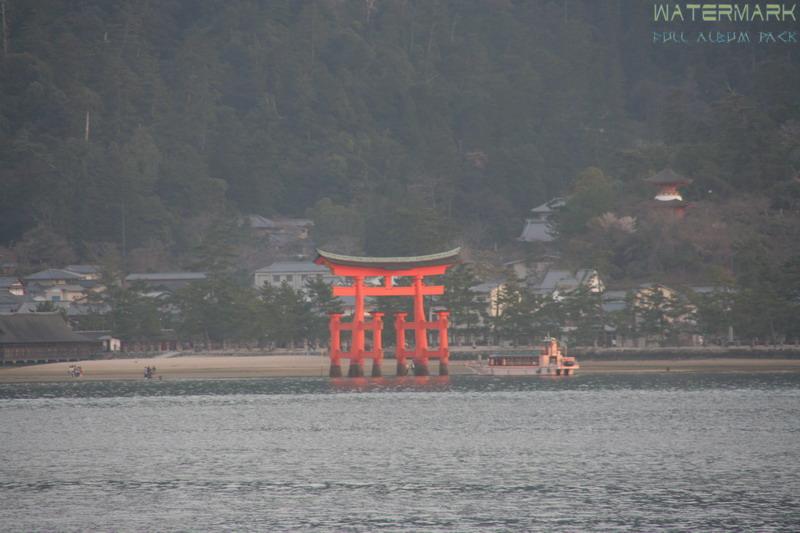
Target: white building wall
column 296, row 280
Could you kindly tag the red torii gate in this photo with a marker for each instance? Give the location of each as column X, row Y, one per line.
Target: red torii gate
column 388, row 268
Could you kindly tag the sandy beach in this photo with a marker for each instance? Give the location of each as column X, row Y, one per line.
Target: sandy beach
column 219, row 367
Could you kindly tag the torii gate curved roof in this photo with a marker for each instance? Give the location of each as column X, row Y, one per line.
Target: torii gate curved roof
column 389, row 263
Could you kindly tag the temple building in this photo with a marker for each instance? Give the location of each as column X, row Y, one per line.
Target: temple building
column 537, row 225
column 667, row 183
column 42, row 337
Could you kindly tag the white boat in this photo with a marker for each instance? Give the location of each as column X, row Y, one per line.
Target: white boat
column 549, row 362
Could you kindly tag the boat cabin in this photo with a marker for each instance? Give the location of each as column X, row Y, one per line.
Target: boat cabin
column 513, row 360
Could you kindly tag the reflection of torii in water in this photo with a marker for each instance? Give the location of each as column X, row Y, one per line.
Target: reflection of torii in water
column 388, row 268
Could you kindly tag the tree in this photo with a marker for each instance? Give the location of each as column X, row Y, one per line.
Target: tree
column 461, row 301
column 763, row 314
column 46, row 307
column 287, row 315
column 421, row 122
column 323, row 304
column 216, row 310
column 593, row 194
column 790, row 290
column 42, row 246
column 518, row 313
column 216, row 251
column 583, row 313
column 715, row 312
column 133, row 315
column 405, row 230
column 337, row 227
column 659, row 313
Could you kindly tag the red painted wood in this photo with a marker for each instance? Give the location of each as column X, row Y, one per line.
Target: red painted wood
column 360, row 325
column 427, row 290
column 372, row 272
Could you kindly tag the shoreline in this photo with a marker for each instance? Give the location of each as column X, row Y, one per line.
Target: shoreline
column 241, row 367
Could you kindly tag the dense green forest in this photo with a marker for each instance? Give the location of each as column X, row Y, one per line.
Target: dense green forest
column 141, row 124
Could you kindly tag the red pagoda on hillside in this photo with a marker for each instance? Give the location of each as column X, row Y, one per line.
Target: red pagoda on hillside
column 668, row 196
column 385, row 270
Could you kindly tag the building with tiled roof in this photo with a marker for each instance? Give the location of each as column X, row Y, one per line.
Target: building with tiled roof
column 53, row 276
column 538, row 224
column 41, row 337
column 558, row 282
column 293, row 273
column 87, row 272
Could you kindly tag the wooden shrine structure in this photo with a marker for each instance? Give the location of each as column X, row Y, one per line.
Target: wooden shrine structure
column 363, row 330
column 668, row 196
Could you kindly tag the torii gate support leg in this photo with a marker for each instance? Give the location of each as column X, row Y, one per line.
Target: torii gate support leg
column 444, row 343
column 356, row 369
column 400, row 336
column 420, row 333
column 336, row 346
column 377, row 344
column 357, row 353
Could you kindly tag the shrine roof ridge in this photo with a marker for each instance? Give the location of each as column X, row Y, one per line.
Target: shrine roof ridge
column 440, row 258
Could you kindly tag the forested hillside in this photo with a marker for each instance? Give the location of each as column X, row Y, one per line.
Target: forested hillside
column 139, row 124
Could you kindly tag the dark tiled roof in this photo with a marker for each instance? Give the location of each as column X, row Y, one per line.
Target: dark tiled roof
column 549, row 207
column 564, row 279
column 21, row 328
column 8, row 281
column 97, row 334
column 53, row 274
column 166, row 276
column 536, row 231
column 486, row 287
column 294, row 266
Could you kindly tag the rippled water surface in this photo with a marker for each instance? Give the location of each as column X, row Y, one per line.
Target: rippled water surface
column 643, row 453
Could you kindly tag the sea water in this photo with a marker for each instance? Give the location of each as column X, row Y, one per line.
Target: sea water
column 637, row 452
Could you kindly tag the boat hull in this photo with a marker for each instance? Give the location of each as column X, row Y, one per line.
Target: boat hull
column 487, row 370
